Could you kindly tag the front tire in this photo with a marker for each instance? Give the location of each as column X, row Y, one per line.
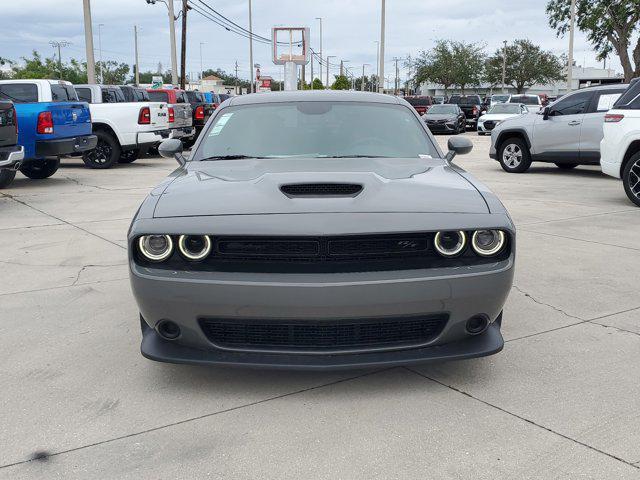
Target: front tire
column 631, row 179
column 41, row 169
column 105, row 155
column 6, row 177
column 514, row 155
column 566, row 166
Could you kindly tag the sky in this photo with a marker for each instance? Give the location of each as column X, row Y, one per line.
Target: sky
column 350, row 29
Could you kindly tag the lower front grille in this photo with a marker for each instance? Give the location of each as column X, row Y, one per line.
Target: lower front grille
column 324, row 336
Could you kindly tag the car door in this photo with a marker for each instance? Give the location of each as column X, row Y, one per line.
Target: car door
column 557, row 138
column 591, row 132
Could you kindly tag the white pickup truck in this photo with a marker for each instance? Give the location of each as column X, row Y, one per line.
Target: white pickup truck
column 124, row 129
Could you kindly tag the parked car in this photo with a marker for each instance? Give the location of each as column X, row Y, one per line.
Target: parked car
column 180, row 114
column 471, row 105
column 11, row 154
column 51, row 123
column 201, row 111
column 421, row 103
column 533, row 102
column 439, row 99
column 497, row 98
column 134, row 94
column 567, row 132
column 498, row 114
column 125, row 130
column 620, row 146
column 445, row 119
column 317, row 247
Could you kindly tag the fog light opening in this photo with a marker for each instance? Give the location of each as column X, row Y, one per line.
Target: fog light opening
column 168, row 329
column 477, row 324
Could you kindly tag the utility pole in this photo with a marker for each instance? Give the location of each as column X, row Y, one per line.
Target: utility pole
column 504, row 65
column 572, row 26
column 395, row 83
column 59, row 45
column 311, row 69
column 88, row 41
column 201, row 67
column 251, row 75
column 100, row 25
column 135, row 42
column 172, row 39
column 320, row 62
column 183, row 46
column 328, row 57
column 381, row 85
column 377, row 65
column 341, row 68
column 235, row 90
column 362, row 85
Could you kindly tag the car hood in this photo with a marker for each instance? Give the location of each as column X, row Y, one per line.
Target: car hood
column 440, row 116
column 246, row 187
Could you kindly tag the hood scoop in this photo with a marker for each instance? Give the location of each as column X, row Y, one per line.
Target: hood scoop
column 315, row 190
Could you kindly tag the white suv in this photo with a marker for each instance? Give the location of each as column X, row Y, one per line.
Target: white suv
column 620, row 147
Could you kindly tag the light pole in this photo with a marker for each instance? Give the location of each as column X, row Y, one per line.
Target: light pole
column 342, row 62
column 381, row 61
column 362, row 85
column 201, row 69
column 59, row 45
column 251, row 75
column 320, row 20
column 377, row 42
column 135, row 41
column 328, row 65
column 572, row 26
column 172, row 38
column 88, row 42
column 100, row 25
column 504, row 65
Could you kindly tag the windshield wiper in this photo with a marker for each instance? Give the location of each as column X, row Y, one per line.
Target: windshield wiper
column 229, row 157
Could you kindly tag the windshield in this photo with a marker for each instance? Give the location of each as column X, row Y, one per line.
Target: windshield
column 505, row 108
column 527, row 100
column 469, row 100
column 440, row 109
column 500, row 98
column 156, row 96
column 418, row 101
column 316, row 129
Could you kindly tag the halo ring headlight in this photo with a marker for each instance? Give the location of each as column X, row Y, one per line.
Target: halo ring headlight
column 186, row 249
column 488, row 243
column 155, row 248
column 448, row 245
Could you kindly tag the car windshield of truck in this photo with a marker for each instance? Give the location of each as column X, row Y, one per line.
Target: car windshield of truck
column 442, row 109
column 500, row 98
column 469, row 100
column 61, row 92
column 527, row 100
column 505, row 108
column 19, row 92
column 141, row 96
column 112, row 95
column 195, row 96
column 156, row 96
column 418, row 101
column 315, row 130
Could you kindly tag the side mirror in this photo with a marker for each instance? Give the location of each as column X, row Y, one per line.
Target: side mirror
column 458, row 146
column 172, row 148
column 546, row 113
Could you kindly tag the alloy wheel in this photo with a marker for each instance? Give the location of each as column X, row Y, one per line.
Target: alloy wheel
column 101, row 154
column 512, row 156
column 634, row 179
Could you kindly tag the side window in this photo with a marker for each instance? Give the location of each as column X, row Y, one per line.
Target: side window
column 573, row 104
column 84, row 94
column 604, row 100
column 19, row 92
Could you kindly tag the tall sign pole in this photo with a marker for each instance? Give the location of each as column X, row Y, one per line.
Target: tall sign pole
column 88, row 42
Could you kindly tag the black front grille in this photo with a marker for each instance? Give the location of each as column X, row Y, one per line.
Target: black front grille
column 321, row 189
column 348, row 334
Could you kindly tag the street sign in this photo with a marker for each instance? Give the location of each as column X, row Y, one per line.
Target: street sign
column 156, row 81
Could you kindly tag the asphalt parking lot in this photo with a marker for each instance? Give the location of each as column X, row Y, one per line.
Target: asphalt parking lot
column 560, row 402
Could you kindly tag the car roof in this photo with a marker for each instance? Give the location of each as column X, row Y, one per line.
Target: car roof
column 313, row 96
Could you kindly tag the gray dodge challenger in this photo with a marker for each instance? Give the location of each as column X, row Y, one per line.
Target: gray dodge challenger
column 318, row 230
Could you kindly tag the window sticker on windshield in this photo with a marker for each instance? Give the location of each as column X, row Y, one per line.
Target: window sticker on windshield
column 605, row 102
column 220, row 124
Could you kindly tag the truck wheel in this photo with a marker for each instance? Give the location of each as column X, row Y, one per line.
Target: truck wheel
column 566, row 166
column 105, row 155
column 41, row 169
column 631, row 179
column 514, row 155
column 129, row 156
column 6, row 177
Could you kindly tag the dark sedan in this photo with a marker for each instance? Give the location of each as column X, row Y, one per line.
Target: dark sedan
column 445, row 119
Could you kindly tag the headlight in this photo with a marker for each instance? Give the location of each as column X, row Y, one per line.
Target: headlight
column 155, row 247
column 194, row 247
column 487, row 242
column 450, row 244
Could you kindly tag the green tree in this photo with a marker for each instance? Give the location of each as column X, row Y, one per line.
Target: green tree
column 468, row 59
column 435, row 66
column 341, row 83
column 317, row 84
column 112, row 72
column 38, row 67
column 610, row 25
column 526, row 65
column 147, row 77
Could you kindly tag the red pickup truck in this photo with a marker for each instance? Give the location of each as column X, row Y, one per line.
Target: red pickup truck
column 179, row 110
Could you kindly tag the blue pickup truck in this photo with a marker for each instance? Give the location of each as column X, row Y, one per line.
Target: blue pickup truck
column 51, row 123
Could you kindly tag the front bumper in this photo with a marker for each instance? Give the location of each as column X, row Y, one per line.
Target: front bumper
column 186, row 297
column 11, row 157
column 441, row 127
column 65, row 146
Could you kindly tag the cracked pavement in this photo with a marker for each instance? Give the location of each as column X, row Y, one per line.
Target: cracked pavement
column 80, row 402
